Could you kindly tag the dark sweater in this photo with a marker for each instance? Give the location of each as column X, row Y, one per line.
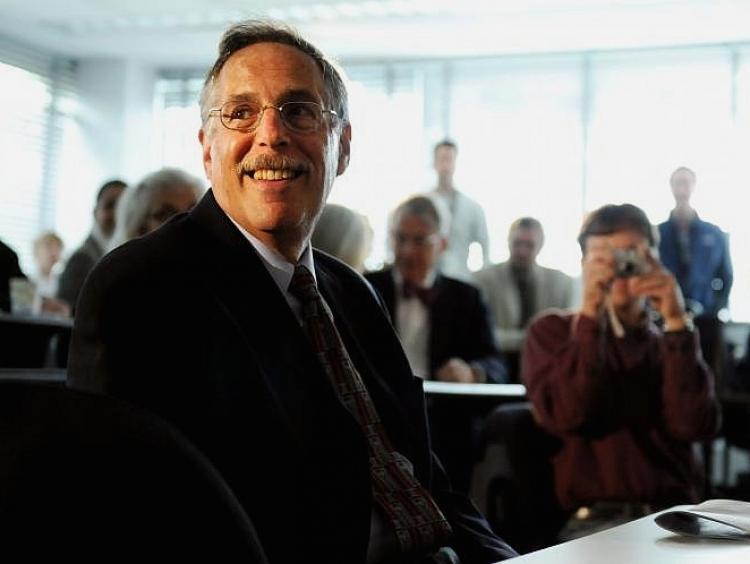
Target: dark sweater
column 627, row 409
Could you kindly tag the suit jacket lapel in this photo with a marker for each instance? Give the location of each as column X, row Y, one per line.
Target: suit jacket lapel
column 388, row 406
column 249, row 298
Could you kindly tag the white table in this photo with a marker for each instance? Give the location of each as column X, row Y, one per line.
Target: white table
column 516, row 391
column 641, row 542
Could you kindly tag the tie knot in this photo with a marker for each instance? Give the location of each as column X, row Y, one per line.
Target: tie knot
column 303, row 285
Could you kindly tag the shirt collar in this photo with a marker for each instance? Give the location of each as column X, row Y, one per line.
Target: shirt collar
column 280, row 269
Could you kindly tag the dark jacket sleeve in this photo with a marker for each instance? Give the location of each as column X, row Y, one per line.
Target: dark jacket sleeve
column 486, row 354
column 725, row 273
column 73, row 276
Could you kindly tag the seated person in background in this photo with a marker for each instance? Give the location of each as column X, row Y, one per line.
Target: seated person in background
column 152, row 201
column 9, row 268
column 519, row 288
column 87, row 255
column 444, row 327
column 344, row 234
column 443, row 323
column 626, row 398
column 48, row 248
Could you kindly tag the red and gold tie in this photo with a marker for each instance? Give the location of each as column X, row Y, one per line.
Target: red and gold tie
column 417, row 520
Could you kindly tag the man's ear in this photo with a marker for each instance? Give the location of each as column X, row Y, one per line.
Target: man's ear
column 203, row 139
column 443, row 243
column 345, row 142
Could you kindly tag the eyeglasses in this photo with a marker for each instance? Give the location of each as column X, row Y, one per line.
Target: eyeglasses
column 302, row 117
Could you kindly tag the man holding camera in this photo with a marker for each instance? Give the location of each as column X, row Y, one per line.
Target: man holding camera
column 625, row 397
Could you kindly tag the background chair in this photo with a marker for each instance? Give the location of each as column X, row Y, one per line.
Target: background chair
column 88, row 477
column 521, row 502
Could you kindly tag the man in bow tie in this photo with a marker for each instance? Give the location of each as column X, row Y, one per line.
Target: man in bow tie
column 443, row 324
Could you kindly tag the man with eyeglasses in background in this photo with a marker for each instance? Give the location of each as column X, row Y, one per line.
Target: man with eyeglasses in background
column 443, row 324
column 278, row 361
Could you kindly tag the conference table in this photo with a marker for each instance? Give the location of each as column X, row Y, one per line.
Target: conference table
column 641, row 542
column 34, row 341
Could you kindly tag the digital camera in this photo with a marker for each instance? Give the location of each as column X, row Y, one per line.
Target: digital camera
column 629, row 262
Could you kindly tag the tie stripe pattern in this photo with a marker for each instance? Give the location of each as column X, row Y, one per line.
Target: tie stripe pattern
column 416, row 519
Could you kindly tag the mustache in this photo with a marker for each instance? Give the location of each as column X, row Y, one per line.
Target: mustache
column 271, row 162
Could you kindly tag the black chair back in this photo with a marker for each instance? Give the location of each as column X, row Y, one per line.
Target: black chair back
column 88, row 477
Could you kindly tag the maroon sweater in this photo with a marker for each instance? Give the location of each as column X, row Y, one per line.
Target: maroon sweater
column 626, row 409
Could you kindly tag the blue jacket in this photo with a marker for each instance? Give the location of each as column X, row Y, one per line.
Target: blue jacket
column 709, row 278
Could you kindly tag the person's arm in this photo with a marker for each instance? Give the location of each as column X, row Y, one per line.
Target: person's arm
column 482, row 236
column 563, row 361
column 563, row 357
column 691, row 411
column 481, row 360
column 690, row 408
column 725, row 274
column 73, row 277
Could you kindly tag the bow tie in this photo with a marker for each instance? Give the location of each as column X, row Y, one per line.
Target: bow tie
column 424, row 295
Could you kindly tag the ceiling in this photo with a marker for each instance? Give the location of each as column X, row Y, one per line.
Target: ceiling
column 175, row 33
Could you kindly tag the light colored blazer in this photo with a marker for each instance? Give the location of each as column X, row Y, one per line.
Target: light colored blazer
column 553, row 289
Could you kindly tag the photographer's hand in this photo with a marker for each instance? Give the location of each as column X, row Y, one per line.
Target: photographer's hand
column 661, row 287
column 598, row 273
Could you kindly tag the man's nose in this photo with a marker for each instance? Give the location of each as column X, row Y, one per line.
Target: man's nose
column 271, row 130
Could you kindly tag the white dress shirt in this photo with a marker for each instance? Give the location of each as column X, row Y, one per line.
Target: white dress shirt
column 413, row 326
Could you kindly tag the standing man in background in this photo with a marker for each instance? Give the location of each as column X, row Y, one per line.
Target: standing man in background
column 87, row 255
column 467, row 222
column 695, row 251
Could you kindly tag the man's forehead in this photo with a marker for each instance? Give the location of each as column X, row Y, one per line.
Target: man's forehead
column 271, row 61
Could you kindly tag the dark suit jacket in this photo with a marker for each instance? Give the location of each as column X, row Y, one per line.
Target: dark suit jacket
column 77, row 268
column 460, row 324
column 188, row 323
column 9, row 268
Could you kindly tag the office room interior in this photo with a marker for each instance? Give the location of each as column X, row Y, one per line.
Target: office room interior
column 557, row 107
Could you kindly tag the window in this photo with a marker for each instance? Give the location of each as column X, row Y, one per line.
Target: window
column 38, row 97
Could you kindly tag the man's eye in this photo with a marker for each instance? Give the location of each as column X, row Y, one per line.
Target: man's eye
column 242, row 112
column 300, row 110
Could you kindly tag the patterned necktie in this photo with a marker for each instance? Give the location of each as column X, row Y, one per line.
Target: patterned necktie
column 416, row 519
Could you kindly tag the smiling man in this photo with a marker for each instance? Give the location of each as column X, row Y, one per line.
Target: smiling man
column 279, row 362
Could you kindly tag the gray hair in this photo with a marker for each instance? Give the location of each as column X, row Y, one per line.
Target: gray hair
column 343, row 233
column 250, row 32
column 135, row 203
column 427, row 206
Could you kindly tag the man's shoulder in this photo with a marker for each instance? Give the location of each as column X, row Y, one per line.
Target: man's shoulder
column 158, row 252
column 556, row 321
column 450, row 285
column 492, row 272
column 380, row 277
column 708, row 227
column 554, row 275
